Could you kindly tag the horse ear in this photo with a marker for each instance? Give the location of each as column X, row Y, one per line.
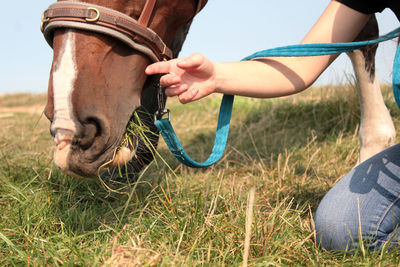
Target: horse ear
column 200, row 5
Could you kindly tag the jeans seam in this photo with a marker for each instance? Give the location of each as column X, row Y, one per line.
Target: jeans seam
column 383, row 216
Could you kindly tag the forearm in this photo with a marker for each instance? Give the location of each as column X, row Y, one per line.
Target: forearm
column 272, row 77
column 195, row 77
column 269, row 77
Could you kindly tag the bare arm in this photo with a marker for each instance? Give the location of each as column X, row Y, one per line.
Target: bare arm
column 195, row 77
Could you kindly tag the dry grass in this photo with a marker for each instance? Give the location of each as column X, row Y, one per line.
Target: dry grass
column 290, row 150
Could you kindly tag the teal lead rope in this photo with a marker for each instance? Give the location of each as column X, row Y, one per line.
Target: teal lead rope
column 396, row 77
column 225, row 112
column 221, row 136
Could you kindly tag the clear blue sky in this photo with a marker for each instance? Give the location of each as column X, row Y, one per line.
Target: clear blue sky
column 226, row 30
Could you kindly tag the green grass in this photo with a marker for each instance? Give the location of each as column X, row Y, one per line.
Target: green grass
column 291, row 150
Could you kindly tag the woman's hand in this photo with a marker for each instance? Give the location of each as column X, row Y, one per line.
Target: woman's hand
column 189, row 78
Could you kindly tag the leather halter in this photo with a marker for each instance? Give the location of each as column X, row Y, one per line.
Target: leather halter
column 90, row 17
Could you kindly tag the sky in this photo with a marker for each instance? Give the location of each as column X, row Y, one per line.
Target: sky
column 225, row 30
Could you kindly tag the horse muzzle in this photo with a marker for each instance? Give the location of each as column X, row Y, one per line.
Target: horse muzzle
column 91, row 148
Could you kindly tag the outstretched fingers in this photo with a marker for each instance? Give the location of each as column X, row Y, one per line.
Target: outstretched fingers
column 185, row 77
column 192, row 62
column 169, row 80
column 175, row 90
column 188, row 96
column 159, row 67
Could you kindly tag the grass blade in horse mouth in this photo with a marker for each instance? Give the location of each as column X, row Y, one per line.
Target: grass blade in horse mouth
column 136, row 131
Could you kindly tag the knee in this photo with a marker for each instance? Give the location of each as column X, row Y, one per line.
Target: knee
column 363, row 208
column 340, row 227
column 333, row 231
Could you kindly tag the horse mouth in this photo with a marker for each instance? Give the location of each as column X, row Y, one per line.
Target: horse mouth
column 127, row 148
column 122, row 156
column 136, row 149
column 77, row 162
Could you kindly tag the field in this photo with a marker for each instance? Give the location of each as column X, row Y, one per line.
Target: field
column 287, row 151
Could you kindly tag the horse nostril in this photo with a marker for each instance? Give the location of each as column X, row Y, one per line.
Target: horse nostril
column 91, row 129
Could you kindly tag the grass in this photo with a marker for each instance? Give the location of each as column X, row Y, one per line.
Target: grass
column 290, row 150
column 22, row 100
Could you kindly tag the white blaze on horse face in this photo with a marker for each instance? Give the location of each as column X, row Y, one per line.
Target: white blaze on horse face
column 64, row 76
column 64, row 123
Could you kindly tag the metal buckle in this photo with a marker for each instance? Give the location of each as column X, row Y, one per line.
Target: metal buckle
column 96, row 18
column 164, row 57
column 160, row 113
column 43, row 20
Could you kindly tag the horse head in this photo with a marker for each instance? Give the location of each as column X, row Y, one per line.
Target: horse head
column 97, row 80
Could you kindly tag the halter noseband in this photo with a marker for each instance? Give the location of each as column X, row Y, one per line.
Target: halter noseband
column 90, row 17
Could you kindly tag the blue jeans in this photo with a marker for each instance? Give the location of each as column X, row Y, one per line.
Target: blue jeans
column 365, row 203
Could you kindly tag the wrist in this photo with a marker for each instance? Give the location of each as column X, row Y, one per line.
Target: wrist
column 218, row 77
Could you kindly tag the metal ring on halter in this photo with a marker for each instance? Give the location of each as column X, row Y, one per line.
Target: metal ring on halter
column 96, row 18
column 160, row 113
column 165, row 58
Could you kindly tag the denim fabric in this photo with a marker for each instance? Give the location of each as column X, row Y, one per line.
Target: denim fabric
column 365, row 203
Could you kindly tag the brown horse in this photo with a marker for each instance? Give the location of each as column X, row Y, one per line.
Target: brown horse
column 97, row 81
